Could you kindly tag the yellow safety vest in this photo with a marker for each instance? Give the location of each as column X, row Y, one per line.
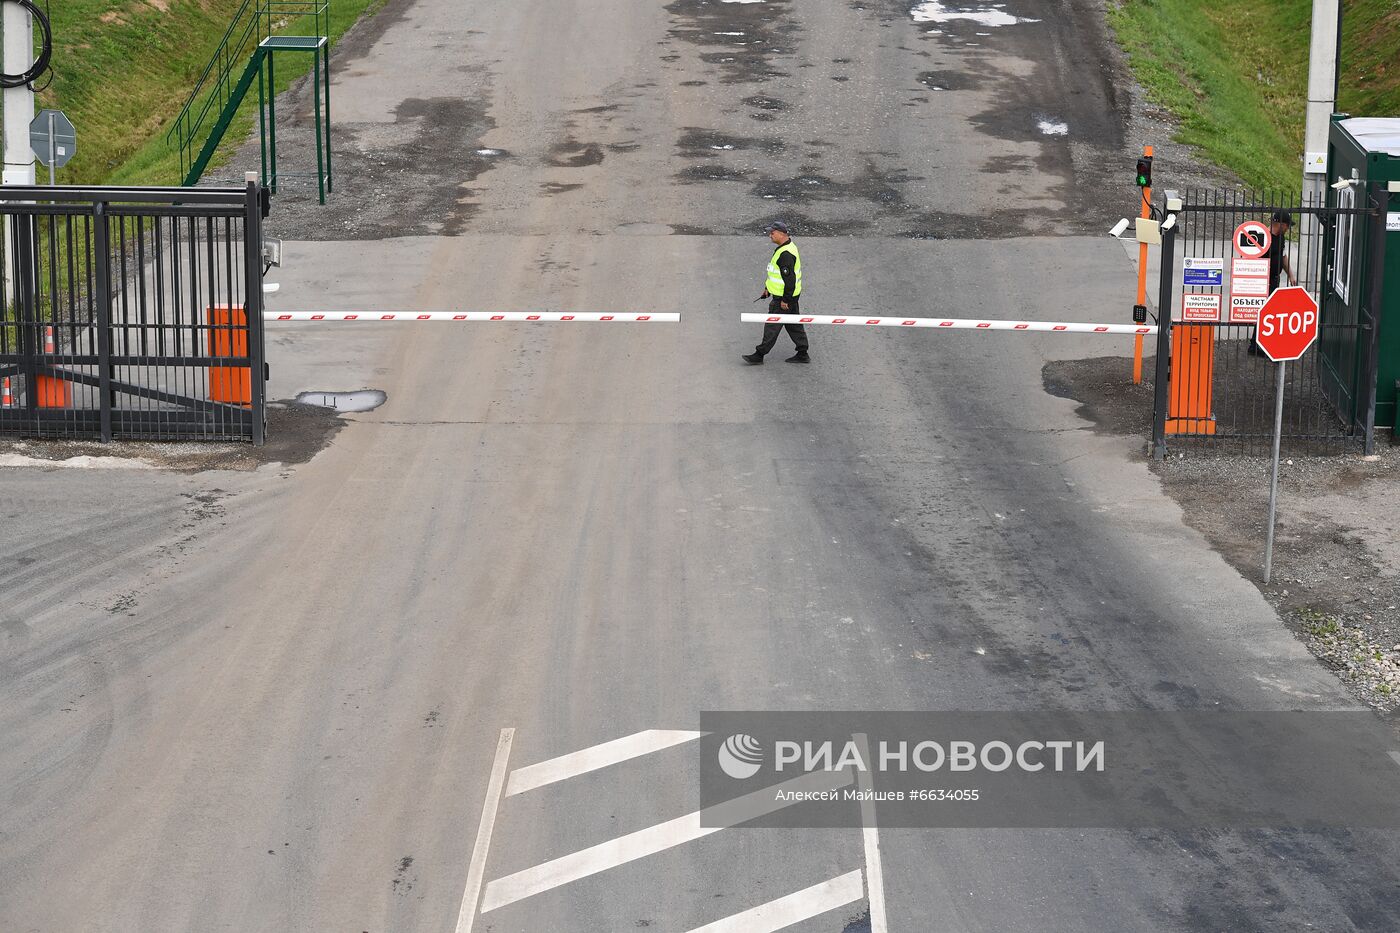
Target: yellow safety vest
column 774, row 285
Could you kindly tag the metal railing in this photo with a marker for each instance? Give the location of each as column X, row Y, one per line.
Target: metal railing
column 212, row 94
column 136, row 314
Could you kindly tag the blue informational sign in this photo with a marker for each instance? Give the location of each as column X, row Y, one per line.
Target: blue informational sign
column 1204, row 272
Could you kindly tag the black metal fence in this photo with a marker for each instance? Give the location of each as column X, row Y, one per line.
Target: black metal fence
column 133, row 313
column 1216, row 392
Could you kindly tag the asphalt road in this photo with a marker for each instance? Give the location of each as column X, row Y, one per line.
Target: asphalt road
column 274, row 700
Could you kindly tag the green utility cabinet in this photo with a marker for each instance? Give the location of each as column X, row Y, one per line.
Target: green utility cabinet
column 1363, row 150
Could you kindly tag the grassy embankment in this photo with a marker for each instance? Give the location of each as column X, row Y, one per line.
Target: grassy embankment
column 122, row 70
column 1234, row 72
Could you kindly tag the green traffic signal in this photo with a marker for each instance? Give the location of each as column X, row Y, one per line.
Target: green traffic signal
column 1144, row 172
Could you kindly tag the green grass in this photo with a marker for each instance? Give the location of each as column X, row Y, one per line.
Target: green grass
column 122, row 71
column 1234, row 72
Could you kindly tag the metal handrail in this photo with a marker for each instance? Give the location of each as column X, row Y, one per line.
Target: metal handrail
column 185, row 129
column 187, row 125
column 216, row 59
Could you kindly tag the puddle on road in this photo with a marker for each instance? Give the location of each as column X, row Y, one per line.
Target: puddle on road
column 362, row 400
column 935, row 11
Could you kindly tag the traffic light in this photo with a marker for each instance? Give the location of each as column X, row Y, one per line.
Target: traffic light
column 1144, row 172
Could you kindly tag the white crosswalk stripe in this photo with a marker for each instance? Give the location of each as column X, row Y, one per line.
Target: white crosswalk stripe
column 592, row 759
column 649, row 841
column 785, row 911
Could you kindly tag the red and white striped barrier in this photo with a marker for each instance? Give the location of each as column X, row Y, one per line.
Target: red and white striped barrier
column 949, row 323
column 577, row 317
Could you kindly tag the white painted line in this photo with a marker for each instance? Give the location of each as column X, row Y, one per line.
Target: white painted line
column 785, row 911
column 478, row 317
column 477, row 869
column 592, row 759
column 945, row 323
column 874, row 867
column 1394, row 756
column 649, row 841
column 593, row 860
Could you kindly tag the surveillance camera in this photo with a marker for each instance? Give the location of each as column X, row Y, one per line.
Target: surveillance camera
column 1118, row 228
column 1341, row 183
column 1169, row 222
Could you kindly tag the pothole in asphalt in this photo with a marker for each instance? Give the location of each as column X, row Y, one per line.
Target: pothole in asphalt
column 860, row 924
column 702, row 143
column 362, row 400
column 644, row 228
column 949, row 80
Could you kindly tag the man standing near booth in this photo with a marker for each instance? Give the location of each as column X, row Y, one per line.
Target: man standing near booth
column 1277, row 253
column 783, row 287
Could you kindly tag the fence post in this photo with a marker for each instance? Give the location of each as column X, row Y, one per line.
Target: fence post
column 101, row 257
column 27, row 307
column 253, row 306
column 1374, row 288
column 1164, row 345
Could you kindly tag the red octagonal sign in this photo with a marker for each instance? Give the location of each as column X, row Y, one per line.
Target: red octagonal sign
column 1287, row 324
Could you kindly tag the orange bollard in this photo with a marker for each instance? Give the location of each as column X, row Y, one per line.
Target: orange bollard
column 228, row 336
column 50, row 391
column 1191, row 403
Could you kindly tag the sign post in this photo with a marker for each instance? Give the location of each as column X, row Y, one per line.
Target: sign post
column 53, row 139
column 1287, row 327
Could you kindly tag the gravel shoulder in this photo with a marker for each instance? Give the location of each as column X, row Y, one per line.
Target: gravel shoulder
column 1335, row 581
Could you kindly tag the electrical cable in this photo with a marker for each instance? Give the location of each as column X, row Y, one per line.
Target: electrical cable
column 41, row 64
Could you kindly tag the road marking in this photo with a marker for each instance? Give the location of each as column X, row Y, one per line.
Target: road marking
column 477, row 869
column 608, row 855
column 1394, row 756
column 592, row 759
column 785, row 911
column 874, row 869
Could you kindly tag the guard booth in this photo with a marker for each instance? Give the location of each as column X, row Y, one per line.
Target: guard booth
column 1361, row 281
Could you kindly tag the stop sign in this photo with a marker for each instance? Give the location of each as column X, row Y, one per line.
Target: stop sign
column 1287, row 324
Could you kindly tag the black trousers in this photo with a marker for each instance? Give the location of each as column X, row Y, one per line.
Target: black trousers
column 797, row 332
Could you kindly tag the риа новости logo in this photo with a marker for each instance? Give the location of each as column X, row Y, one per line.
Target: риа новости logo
column 741, row 756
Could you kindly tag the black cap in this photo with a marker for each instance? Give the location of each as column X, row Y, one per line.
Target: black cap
column 776, row 225
column 1283, row 217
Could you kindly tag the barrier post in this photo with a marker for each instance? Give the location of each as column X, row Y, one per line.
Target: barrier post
column 1164, row 343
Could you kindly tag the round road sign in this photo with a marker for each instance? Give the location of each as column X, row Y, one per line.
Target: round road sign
column 1252, row 239
column 1287, row 324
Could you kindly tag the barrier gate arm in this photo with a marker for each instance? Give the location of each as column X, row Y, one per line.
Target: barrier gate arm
column 1058, row 327
column 579, row 317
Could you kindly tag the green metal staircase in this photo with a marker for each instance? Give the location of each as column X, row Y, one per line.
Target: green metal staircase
column 259, row 31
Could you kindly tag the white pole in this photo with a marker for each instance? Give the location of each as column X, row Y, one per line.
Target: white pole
column 17, row 58
column 1273, row 481
column 1322, row 102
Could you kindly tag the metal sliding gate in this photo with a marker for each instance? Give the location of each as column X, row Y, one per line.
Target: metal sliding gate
column 1214, row 391
column 133, row 313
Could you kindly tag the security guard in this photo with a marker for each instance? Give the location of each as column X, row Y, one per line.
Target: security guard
column 784, row 287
